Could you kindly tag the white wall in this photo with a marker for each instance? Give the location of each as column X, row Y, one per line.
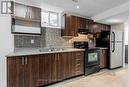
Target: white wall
column 6, row 46
column 118, row 27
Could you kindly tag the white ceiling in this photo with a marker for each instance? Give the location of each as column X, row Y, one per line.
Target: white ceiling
column 104, row 11
column 87, row 7
column 116, row 19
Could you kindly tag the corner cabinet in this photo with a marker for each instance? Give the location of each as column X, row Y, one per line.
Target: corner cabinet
column 41, row 70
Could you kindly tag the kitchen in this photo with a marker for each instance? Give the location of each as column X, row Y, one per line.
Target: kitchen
column 42, row 51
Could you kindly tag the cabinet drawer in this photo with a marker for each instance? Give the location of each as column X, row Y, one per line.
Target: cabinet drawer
column 104, row 51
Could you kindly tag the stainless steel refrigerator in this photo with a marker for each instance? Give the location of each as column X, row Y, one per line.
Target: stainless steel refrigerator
column 116, row 49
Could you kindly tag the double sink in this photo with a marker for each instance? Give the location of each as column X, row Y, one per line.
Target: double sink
column 51, row 49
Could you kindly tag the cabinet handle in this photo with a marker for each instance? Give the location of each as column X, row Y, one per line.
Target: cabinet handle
column 22, row 60
column 77, row 59
column 29, row 15
column 26, row 60
column 26, row 15
column 78, row 54
column 58, row 57
column 78, row 65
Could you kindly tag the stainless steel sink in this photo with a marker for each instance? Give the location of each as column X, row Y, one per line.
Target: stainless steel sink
column 51, row 49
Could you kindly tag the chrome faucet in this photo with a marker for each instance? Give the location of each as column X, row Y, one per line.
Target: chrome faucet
column 51, row 47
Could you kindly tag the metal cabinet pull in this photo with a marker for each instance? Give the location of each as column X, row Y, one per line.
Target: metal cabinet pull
column 22, row 60
column 58, row 57
column 78, row 54
column 26, row 60
column 77, row 59
column 29, row 15
column 26, row 15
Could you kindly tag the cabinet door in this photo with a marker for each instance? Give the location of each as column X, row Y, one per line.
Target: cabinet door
column 81, row 23
column 103, row 59
column 66, row 25
column 67, row 65
column 47, row 69
column 15, row 72
column 105, row 55
column 60, row 63
column 73, row 26
column 20, row 10
column 34, row 12
column 31, row 71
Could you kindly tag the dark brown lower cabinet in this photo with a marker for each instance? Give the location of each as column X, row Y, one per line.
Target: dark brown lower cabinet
column 31, row 71
column 67, row 67
column 22, row 71
column 72, row 64
column 103, row 58
column 40, row 70
column 47, row 69
column 15, row 72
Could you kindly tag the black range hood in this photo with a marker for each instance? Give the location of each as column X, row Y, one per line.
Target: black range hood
column 84, row 31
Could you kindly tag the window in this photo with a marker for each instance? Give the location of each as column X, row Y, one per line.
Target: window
column 45, row 18
column 50, row 19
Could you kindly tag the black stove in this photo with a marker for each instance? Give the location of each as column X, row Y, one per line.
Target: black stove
column 91, row 56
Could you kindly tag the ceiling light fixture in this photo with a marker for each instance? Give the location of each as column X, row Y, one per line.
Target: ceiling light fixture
column 76, row 2
column 77, row 6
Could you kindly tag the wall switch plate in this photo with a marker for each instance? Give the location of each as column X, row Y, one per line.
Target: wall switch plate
column 32, row 41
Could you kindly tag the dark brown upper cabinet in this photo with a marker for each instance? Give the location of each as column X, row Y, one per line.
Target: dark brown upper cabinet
column 34, row 13
column 71, row 24
column 81, row 22
column 88, row 23
column 98, row 27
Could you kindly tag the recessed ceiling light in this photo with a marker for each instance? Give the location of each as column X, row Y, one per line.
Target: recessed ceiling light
column 77, row 6
column 76, row 3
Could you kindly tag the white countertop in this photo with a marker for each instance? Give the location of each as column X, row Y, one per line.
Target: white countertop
column 36, row 51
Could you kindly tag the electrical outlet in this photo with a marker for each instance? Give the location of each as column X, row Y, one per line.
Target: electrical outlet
column 32, row 41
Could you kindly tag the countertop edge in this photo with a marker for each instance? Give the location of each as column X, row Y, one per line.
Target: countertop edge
column 40, row 53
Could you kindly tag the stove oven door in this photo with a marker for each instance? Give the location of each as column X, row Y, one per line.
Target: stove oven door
column 92, row 61
column 92, row 57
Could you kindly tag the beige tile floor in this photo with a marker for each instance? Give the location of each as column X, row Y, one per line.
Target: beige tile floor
column 104, row 78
